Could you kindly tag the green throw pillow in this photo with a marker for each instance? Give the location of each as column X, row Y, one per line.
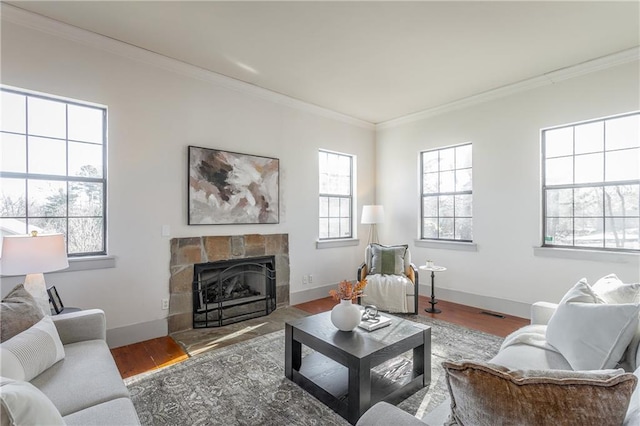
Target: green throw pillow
column 387, row 260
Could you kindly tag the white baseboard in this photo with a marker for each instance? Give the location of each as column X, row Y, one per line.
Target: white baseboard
column 493, row 304
column 135, row 333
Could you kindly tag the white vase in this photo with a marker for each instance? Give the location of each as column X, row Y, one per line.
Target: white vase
column 346, row 316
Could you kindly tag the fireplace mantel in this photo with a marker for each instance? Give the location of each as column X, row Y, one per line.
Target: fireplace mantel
column 185, row 252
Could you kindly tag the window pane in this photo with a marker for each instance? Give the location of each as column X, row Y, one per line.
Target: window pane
column 14, row 116
column 48, row 225
column 622, row 165
column 430, row 206
column 345, row 228
column 345, row 207
column 590, row 137
column 588, row 202
column 324, row 228
column 85, row 235
column 447, row 158
column 446, row 206
column 623, row 132
column 430, row 228
column 324, row 183
column 13, row 153
column 463, row 156
column 558, row 142
column 334, row 207
column 559, row 231
column 589, row 168
column 343, row 185
column 463, row 180
column 588, row 232
column 622, row 233
column 47, row 198
column 47, row 118
column 622, row 200
column 47, row 156
column 447, row 181
column 559, row 171
column 559, row 202
column 324, row 207
column 85, row 124
column 463, row 229
column 446, row 228
column 463, row 206
column 430, row 182
column 12, row 227
column 85, row 159
column 334, row 228
column 14, row 197
column 430, row 161
column 85, row 199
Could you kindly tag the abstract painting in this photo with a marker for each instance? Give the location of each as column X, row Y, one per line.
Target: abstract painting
column 232, row 188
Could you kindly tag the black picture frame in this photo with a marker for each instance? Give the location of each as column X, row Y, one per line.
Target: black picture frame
column 226, row 188
column 54, row 300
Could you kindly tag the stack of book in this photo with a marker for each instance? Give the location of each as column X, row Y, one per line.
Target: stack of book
column 374, row 324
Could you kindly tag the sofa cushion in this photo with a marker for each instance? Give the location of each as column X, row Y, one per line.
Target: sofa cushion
column 633, row 412
column 590, row 334
column 118, row 411
column 19, row 311
column 385, row 414
column 31, row 352
column 388, row 259
column 86, row 377
column 486, row 394
column 23, row 404
column 612, row 290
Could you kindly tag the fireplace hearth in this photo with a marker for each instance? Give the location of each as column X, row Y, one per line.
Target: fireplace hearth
column 230, row 291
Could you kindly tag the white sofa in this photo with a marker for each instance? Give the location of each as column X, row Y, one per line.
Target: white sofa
column 525, row 349
column 85, row 386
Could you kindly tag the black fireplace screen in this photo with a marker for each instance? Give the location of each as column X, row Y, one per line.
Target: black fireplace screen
column 234, row 290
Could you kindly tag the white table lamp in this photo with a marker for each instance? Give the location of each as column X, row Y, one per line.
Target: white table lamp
column 33, row 255
column 372, row 215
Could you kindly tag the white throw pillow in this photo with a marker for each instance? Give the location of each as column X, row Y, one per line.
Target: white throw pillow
column 612, row 290
column 591, row 335
column 29, row 353
column 24, row 404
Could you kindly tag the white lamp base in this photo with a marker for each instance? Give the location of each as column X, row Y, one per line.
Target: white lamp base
column 35, row 285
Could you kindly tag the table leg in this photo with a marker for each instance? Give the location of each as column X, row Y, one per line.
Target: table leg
column 359, row 398
column 292, row 353
column 433, row 301
column 422, row 359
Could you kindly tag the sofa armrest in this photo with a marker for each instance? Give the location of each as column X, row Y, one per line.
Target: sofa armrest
column 385, row 414
column 541, row 312
column 79, row 326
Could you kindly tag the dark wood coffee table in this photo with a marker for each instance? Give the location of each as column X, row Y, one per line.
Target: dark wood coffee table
column 339, row 373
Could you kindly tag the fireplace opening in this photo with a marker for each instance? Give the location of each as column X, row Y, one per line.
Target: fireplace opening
column 234, row 290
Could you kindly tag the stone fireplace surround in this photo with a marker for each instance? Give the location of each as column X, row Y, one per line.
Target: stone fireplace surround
column 185, row 252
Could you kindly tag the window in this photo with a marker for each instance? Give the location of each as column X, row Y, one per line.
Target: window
column 336, row 195
column 447, row 194
column 591, row 182
column 52, row 169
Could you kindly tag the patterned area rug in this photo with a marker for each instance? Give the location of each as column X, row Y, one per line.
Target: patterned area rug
column 244, row 384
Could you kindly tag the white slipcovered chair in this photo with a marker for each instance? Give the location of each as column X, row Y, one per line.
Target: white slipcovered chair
column 392, row 280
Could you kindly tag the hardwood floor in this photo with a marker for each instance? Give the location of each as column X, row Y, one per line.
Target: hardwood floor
column 157, row 353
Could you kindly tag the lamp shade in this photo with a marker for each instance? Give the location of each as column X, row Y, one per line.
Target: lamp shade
column 372, row 214
column 25, row 254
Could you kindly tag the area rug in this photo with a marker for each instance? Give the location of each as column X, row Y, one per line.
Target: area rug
column 244, row 384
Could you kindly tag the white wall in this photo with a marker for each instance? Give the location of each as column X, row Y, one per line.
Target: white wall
column 506, row 189
column 154, row 114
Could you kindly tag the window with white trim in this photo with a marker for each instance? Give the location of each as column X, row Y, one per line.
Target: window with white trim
column 591, row 184
column 53, row 169
column 336, row 195
column 447, row 195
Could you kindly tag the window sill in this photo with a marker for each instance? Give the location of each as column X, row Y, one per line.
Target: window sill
column 347, row 242
column 592, row 255
column 447, row 245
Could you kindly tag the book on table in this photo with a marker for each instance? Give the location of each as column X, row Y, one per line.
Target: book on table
column 374, row 324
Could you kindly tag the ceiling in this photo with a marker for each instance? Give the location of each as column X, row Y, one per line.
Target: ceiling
column 374, row 61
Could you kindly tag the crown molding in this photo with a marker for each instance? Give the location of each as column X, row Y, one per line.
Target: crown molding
column 18, row 16
column 598, row 64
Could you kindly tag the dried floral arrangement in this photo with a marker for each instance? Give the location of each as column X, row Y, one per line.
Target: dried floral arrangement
column 348, row 290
